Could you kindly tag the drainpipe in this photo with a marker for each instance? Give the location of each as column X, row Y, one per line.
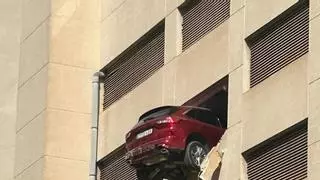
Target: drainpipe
column 97, row 79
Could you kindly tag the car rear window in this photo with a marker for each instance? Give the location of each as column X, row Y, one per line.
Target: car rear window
column 158, row 112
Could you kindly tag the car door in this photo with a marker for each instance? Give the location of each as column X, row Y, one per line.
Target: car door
column 193, row 124
column 210, row 128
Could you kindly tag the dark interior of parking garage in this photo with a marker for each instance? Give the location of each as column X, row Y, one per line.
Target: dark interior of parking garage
column 215, row 98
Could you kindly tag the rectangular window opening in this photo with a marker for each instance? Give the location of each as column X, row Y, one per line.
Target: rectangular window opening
column 283, row 156
column 279, row 43
column 134, row 66
column 214, row 98
column 200, row 17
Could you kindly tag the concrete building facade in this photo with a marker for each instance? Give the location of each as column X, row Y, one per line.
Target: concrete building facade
column 50, row 49
column 255, row 114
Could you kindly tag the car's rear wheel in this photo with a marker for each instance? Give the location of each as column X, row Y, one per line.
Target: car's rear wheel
column 195, row 154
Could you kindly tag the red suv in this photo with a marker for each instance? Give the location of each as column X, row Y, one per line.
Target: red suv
column 179, row 134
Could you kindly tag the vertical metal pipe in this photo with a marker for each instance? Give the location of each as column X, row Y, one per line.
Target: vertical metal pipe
column 97, row 77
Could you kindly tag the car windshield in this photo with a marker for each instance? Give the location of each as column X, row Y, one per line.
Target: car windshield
column 158, row 112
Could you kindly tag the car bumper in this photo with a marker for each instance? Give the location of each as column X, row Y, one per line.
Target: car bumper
column 154, row 152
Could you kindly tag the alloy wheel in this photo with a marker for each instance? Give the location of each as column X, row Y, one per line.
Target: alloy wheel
column 198, row 154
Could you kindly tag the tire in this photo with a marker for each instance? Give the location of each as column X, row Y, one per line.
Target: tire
column 195, row 154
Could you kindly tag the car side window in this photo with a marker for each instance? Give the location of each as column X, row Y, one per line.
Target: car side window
column 193, row 113
column 204, row 116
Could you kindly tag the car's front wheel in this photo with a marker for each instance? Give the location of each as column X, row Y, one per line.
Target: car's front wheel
column 195, row 154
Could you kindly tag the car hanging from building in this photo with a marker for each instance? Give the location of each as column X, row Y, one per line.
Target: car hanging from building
column 172, row 136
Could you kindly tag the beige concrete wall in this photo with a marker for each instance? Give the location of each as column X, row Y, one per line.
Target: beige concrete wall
column 173, row 35
column 34, row 53
column 32, row 92
column 264, row 114
column 231, row 147
column 236, row 38
column 313, row 80
column 314, row 161
column 61, row 168
column 126, row 21
column 74, row 57
column 202, row 64
column 60, row 50
column 60, row 47
column 231, row 144
column 9, row 66
column 255, row 114
column 35, row 172
column 314, row 65
column 314, row 8
column 260, row 12
column 30, row 142
column 313, row 130
column 182, row 77
column 313, row 93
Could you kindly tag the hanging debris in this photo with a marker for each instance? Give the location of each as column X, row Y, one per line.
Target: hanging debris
column 210, row 167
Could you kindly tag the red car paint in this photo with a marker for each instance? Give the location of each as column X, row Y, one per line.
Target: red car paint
column 170, row 132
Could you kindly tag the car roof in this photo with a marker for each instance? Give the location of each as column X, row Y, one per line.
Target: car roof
column 183, row 108
column 155, row 110
column 195, row 107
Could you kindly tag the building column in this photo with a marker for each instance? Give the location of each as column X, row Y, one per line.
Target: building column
column 173, row 35
column 9, row 66
column 314, row 96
